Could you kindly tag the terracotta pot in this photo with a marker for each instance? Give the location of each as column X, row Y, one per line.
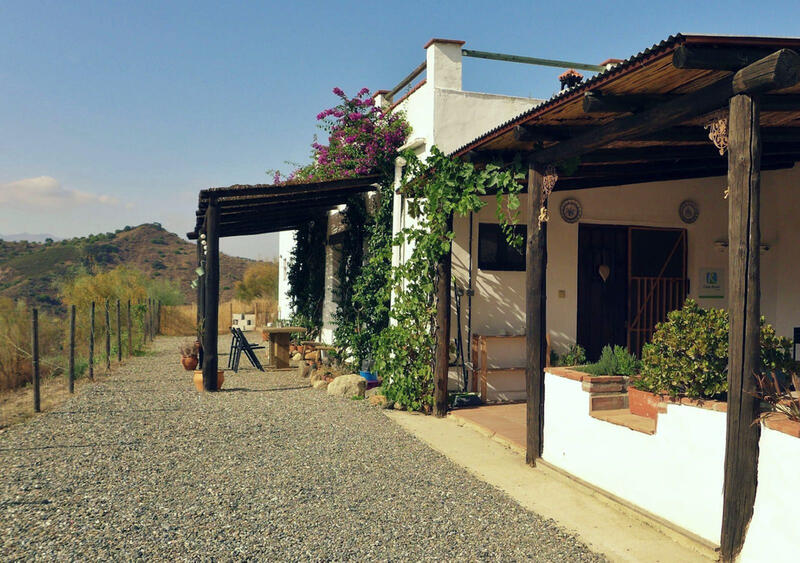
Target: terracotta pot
column 198, row 379
column 643, row 403
column 189, row 362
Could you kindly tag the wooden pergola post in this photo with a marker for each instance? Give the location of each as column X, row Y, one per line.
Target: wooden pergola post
column 744, row 233
column 211, row 290
column 442, row 354
column 535, row 313
column 199, row 281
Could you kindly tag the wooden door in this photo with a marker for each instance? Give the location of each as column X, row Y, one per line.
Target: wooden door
column 658, row 282
column 602, row 287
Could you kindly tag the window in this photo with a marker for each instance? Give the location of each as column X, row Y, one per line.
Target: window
column 494, row 252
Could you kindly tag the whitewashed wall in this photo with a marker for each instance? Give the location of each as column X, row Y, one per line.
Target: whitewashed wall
column 676, row 474
column 498, row 306
column 774, row 532
column 285, row 247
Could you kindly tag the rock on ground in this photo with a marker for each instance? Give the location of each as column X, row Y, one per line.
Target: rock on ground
column 351, row 385
column 142, row 466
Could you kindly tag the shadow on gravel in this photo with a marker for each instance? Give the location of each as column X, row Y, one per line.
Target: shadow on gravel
column 246, row 390
column 69, row 446
column 100, row 411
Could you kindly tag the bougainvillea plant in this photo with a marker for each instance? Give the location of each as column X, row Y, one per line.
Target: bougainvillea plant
column 363, row 139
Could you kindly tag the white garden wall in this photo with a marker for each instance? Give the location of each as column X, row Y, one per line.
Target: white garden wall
column 285, row 247
column 774, row 532
column 676, row 474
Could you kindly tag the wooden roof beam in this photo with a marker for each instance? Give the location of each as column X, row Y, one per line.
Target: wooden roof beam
column 671, row 153
column 778, row 70
column 597, row 102
column 550, row 133
column 717, row 58
column 644, row 168
column 662, row 175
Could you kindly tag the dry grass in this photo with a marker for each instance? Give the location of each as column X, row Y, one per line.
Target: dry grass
column 16, row 405
column 181, row 320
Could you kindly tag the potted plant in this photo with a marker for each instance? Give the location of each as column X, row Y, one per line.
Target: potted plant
column 189, row 355
column 198, row 379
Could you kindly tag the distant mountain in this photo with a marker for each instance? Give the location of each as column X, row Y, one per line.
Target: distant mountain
column 19, row 237
column 35, row 271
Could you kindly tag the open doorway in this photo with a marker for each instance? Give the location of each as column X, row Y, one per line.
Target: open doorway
column 629, row 278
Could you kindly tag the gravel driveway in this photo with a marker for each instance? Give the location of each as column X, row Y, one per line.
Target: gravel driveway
column 143, row 466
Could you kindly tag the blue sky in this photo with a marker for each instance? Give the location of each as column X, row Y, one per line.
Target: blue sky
column 115, row 113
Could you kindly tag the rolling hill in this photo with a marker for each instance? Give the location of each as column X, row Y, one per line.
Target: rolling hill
column 34, row 271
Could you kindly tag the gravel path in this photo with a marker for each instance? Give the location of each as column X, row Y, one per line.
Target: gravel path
column 143, row 466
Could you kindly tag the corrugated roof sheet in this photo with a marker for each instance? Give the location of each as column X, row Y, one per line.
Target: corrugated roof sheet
column 619, row 68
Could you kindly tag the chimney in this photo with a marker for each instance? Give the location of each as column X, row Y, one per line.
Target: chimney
column 381, row 100
column 570, row 79
column 443, row 57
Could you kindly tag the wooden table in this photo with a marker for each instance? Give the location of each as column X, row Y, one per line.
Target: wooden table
column 278, row 337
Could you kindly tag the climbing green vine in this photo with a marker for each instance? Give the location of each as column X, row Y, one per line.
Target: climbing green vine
column 435, row 189
column 307, row 275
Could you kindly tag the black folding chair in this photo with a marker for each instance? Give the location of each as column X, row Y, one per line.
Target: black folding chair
column 232, row 353
column 242, row 345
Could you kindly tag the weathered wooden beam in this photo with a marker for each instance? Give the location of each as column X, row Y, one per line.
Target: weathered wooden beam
column 535, row 309
column 362, row 183
column 331, row 197
column 672, row 153
column 442, row 355
column 778, row 70
column 744, row 235
column 211, row 310
column 674, row 165
column 551, row 133
column 596, row 102
column 717, row 58
column 660, row 176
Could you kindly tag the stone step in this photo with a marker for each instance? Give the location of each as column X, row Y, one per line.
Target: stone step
column 608, row 401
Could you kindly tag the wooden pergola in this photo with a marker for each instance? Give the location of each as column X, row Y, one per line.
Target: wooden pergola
column 644, row 120
column 250, row 210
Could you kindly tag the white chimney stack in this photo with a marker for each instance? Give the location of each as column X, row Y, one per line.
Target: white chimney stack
column 443, row 57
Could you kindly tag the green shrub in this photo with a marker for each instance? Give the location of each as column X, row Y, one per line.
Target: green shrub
column 575, row 356
column 688, row 354
column 614, row 361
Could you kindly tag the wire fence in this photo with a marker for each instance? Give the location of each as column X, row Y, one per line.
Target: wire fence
column 91, row 340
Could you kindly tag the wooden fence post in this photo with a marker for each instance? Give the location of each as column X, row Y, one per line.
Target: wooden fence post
column 37, row 403
column 108, row 339
column 119, row 335
column 744, row 235
column 130, row 326
column 91, row 344
column 72, row 349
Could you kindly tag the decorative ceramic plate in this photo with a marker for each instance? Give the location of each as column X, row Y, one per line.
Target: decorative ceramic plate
column 571, row 210
column 688, row 211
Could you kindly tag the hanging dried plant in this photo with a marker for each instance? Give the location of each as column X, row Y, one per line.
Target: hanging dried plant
column 548, row 183
column 717, row 127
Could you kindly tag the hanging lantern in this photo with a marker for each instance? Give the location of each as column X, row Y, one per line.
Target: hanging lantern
column 199, row 271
